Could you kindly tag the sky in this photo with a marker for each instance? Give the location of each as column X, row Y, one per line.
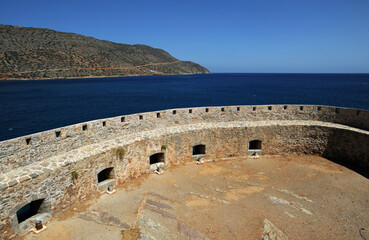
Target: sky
column 250, row 36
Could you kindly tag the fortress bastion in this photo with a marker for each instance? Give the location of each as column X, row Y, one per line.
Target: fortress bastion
column 44, row 173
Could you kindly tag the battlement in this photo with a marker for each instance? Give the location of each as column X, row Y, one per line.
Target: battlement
column 59, row 167
column 21, row 151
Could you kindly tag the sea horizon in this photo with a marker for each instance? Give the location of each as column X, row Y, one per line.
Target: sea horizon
column 33, row 106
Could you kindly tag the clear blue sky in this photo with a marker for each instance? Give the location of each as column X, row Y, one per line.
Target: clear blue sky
column 224, row 36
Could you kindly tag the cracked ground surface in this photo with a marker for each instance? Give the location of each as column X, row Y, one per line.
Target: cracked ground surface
column 297, row 197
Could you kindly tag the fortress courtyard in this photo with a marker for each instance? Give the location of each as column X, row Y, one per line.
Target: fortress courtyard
column 270, row 197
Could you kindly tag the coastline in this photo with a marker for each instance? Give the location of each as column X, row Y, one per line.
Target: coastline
column 105, row 76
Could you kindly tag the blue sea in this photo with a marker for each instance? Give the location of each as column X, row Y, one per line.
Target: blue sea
column 32, row 106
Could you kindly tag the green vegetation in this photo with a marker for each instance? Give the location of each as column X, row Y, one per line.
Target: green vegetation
column 164, row 147
column 74, row 176
column 120, row 152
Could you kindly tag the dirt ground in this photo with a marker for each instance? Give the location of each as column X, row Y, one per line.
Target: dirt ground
column 304, row 197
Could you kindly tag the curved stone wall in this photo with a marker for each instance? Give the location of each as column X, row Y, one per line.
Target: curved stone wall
column 46, row 167
column 24, row 150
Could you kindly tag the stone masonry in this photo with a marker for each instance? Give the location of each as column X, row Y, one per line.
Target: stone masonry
column 41, row 165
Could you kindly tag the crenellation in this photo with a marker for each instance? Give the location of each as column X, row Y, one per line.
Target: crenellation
column 43, row 168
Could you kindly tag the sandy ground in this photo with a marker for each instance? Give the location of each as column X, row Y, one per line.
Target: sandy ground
column 305, row 197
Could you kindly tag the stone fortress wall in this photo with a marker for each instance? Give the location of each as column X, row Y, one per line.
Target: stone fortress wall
column 49, row 171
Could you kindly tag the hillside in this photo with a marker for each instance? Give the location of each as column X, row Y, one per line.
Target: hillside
column 36, row 53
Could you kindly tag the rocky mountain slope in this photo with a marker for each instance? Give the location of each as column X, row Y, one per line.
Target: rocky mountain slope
column 36, row 53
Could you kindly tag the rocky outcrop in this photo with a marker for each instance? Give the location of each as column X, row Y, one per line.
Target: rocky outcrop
column 36, row 53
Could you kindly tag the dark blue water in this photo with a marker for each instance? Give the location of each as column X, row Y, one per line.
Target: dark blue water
column 33, row 106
